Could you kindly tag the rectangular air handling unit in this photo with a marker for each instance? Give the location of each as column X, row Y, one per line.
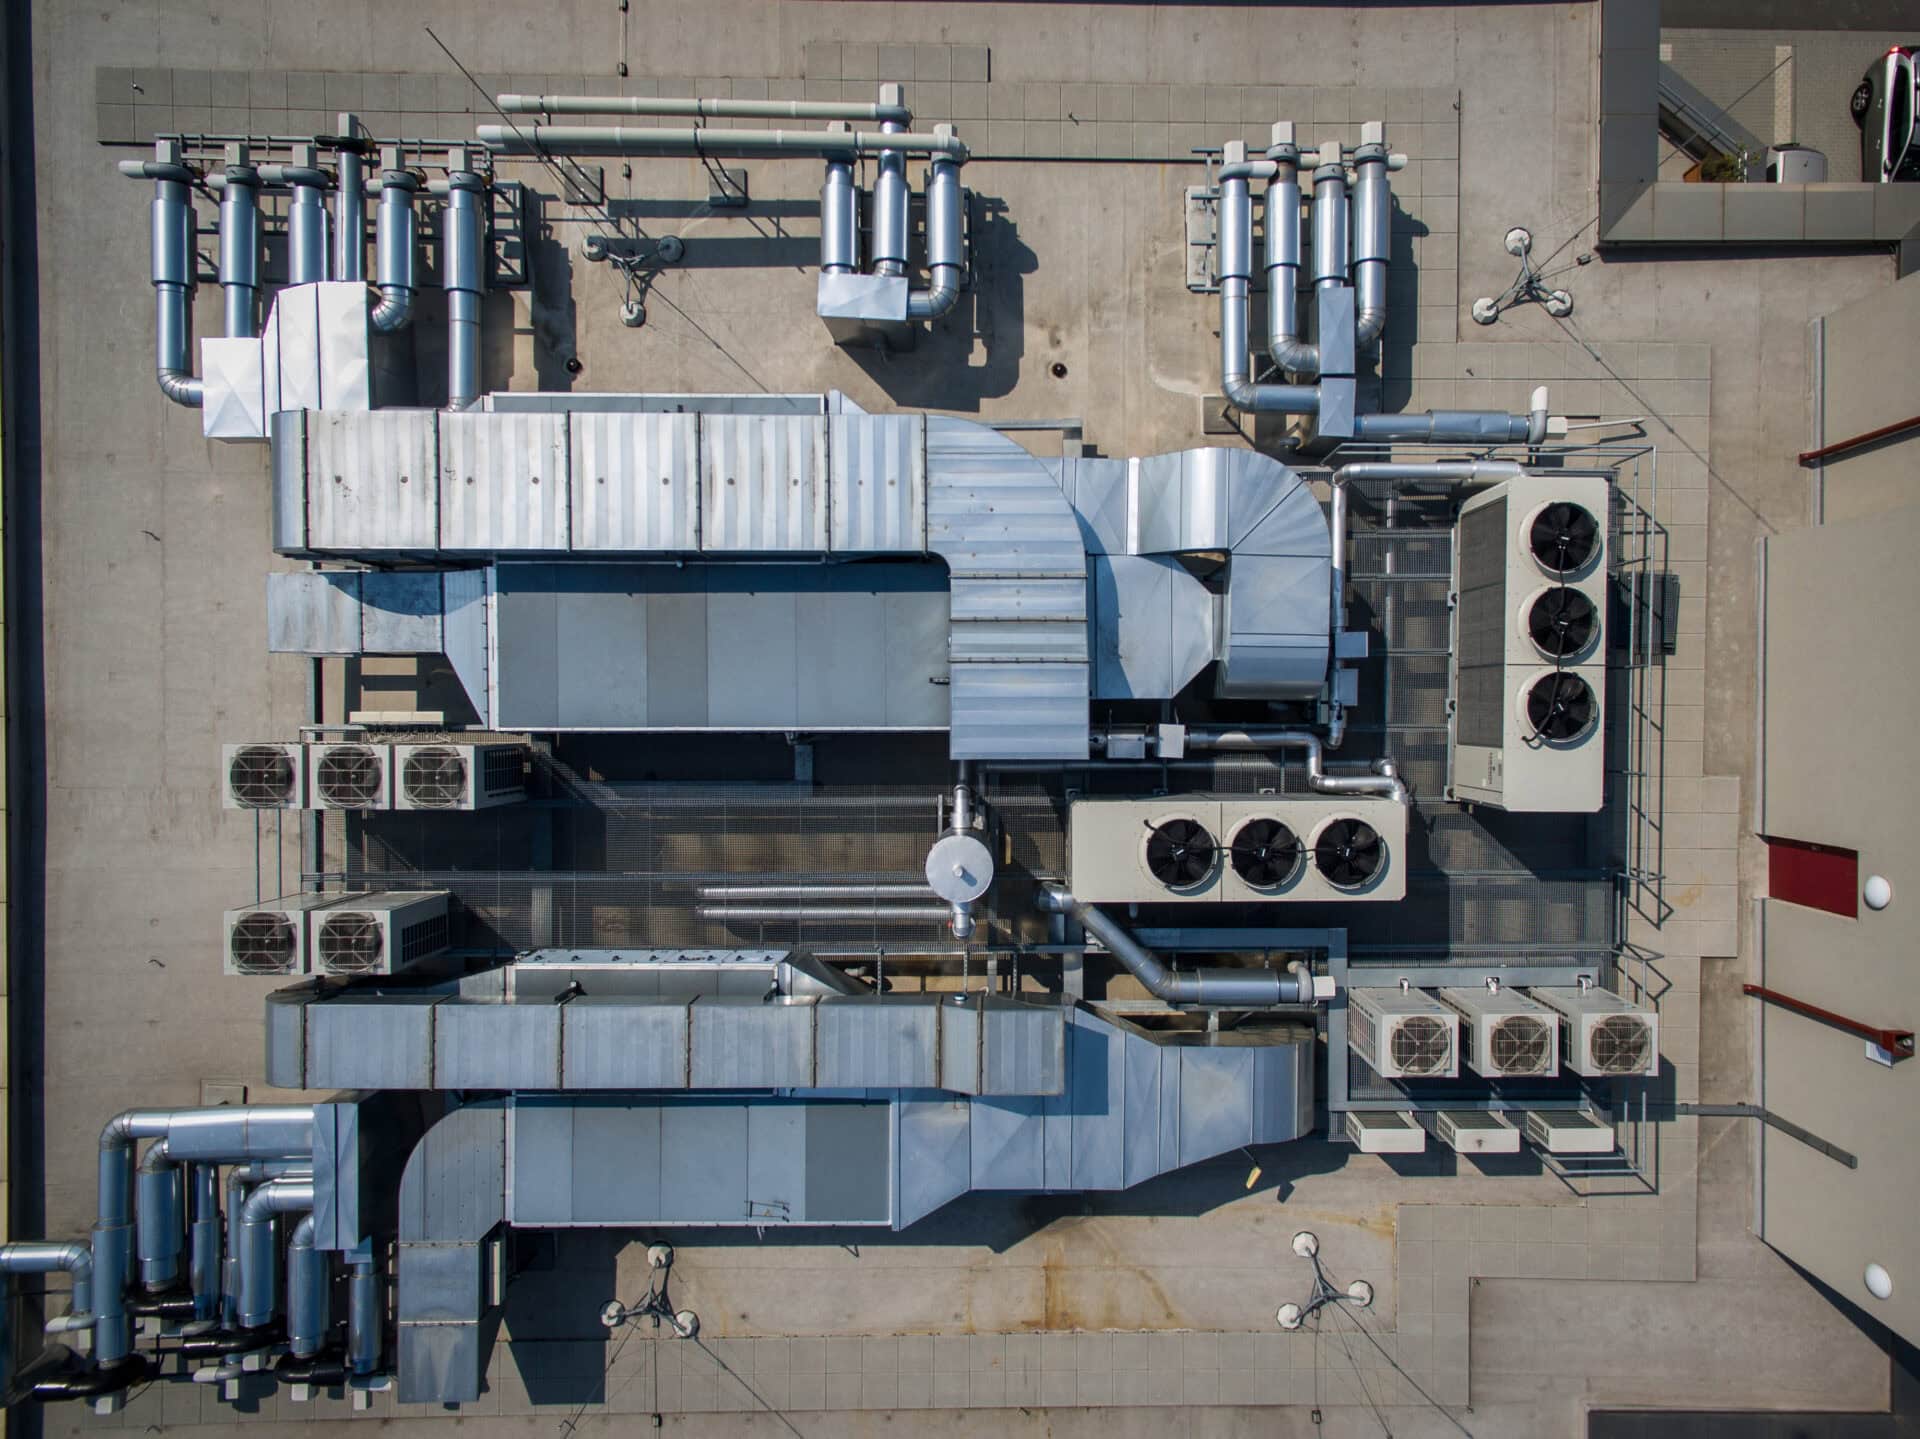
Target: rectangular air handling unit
column 269, row 775
column 1403, row 1033
column 350, row 774
column 1528, row 667
column 270, row 937
column 1475, row 1131
column 1603, row 1036
column 1189, row 849
column 1567, row 1131
column 1374, row 1131
column 454, row 776
column 1505, row 1035
column 378, row 934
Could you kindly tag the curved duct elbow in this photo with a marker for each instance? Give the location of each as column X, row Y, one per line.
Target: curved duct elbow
column 1217, row 988
column 945, row 253
column 1372, row 238
column 173, row 271
column 46, row 1256
column 1285, row 345
column 395, row 241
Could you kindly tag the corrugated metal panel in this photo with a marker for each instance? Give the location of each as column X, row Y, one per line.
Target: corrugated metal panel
column 370, row 481
column 1018, row 711
column 1023, row 1050
column 877, row 1043
column 636, row 481
column 345, row 375
column 879, row 483
column 994, row 509
column 383, row 1043
column 621, row 1043
column 496, row 1046
column 748, row 1044
column 763, row 483
column 960, row 1048
column 503, row 481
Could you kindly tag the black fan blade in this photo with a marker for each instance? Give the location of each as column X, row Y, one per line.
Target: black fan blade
column 1563, row 536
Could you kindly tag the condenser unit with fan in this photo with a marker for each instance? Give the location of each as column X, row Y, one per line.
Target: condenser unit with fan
column 1603, row 1036
column 382, row 933
column 458, row 776
column 1504, row 1034
column 1528, row 668
column 263, row 776
column 350, row 774
column 1403, row 1033
column 271, row 937
column 1278, row 848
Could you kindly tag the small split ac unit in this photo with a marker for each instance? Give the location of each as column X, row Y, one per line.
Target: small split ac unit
column 1188, row 849
column 1403, row 1034
column 1385, row 1132
column 350, row 774
column 1567, row 1131
column 270, row 937
column 458, row 776
column 1475, row 1131
column 380, row 933
column 1528, row 667
column 1505, row 1035
column 1602, row 1035
column 263, row 776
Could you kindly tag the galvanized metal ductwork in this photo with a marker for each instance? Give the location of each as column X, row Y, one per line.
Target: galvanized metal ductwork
column 945, row 256
column 890, row 111
column 159, row 1201
column 1289, row 351
column 240, row 244
column 463, row 264
column 890, row 200
column 309, row 1302
column 839, row 220
column 174, row 277
column 260, row 1245
column 396, row 236
column 350, row 217
column 366, row 1317
column 1214, row 988
column 49, row 1256
column 698, row 143
column 307, row 250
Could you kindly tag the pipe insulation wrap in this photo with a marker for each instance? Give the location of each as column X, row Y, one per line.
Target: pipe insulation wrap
column 465, row 281
column 365, row 1319
column 203, row 1238
column 1372, row 239
column 350, row 218
column 702, row 108
column 309, row 1313
column 240, row 250
column 1285, row 343
column 259, row 1245
column 711, row 144
column 839, row 220
column 945, row 253
column 1330, row 244
column 890, row 215
column 159, row 1207
column 48, row 1256
column 397, row 234
column 1218, row 987
column 306, row 236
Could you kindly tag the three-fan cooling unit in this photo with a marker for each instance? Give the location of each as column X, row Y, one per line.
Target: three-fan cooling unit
column 370, row 775
column 1502, row 1034
column 1198, row 849
column 341, row 935
column 1528, row 666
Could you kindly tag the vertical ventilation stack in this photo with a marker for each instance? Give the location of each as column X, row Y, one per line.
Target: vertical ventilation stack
column 240, row 243
column 463, row 266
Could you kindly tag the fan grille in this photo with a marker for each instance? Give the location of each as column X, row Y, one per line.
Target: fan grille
column 1180, row 853
column 263, row 944
column 1420, row 1044
column 1519, row 1044
column 434, row 777
column 1348, row 853
column 1561, row 622
column 261, row 777
column 1563, row 537
column 350, row 942
column 1620, row 1044
column 1560, row 707
column 350, row 776
column 1265, row 853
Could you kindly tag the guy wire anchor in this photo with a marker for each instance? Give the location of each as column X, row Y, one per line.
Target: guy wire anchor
column 656, row 1306
column 1527, row 286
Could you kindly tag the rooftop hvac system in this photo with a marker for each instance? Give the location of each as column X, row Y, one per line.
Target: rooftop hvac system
column 1189, row 848
column 1475, row 1131
column 1529, row 662
column 374, row 934
column 1562, row 1131
column 270, row 937
column 1505, row 1035
column 350, row 774
column 1403, row 1034
column 1385, row 1132
column 263, row 776
column 1604, row 1036
column 458, row 776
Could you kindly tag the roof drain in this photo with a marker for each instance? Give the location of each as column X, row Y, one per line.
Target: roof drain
column 1217, row 988
column 173, row 270
column 394, row 244
column 464, row 278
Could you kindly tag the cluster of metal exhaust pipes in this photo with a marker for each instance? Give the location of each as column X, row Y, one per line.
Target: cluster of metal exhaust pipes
column 230, row 1305
column 240, row 185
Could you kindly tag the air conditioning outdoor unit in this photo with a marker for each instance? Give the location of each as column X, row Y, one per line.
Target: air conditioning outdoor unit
column 1374, row 1131
column 1505, row 1035
column 458, row 776
column 1604, row 1036
column 1568, row 1131
column 350, row 774
column 272, row 775
column 270, row 937
column 381, row 933
column 1187, row 849
column 1528, row 667
column 1403, row 1034
column 1475, row 1131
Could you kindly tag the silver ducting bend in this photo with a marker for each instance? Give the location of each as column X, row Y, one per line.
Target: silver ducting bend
column 47, row 1256
column 1385, row 779
column 309, row 1311
column 1288, row 350
column 365, row 1318
column 260, row 1248
column 945, row 259
column 394, row 248
column 463, row 263
column 1372, row 238
column 159, row 1203
column 890, row 210
column 1234, row 260
column 839, row 219
column 240, row 245
column 174, row 275
column 1217, row 988
column 307, row 252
